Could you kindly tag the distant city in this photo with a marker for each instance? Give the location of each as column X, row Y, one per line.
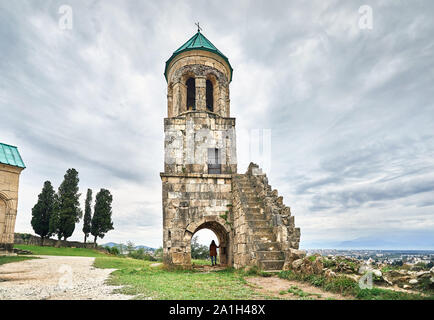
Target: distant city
column 410, row 257
column 381, row 256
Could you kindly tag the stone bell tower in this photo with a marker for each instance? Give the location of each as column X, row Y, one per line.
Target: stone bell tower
column 200, row 154
column 201, row 187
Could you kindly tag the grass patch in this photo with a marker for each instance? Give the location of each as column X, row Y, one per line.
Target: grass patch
column 10, row 259
column 160, row 283
column 254, row 271
column 328, row 263
column 312, row 258
column 53, row 251
column 201, row 262
column 349, row 287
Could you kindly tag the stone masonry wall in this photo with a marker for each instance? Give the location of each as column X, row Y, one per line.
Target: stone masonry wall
column 243, row 248
column 192, row 202
column 188, row 137
column 202, row 66
column 36, row 241
column 9, row 182
column 264, row 230
column 279, row 214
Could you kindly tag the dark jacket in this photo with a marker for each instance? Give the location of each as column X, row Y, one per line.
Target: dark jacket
column 213, row 250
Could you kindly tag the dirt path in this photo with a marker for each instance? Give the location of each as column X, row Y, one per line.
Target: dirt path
column 56, row 278
column 299, row 290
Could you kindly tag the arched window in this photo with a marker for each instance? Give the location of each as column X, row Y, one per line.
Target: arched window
column 209, row 96
column 191, row 94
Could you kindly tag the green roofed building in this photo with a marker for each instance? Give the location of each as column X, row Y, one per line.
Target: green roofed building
column 11, row 165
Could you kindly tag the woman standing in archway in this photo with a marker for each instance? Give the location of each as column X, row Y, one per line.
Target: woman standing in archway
column 213, row 253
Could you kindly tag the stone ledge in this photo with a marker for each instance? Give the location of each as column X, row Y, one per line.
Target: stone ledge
column 196, row 175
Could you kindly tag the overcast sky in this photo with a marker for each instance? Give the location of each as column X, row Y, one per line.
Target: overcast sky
column 350, row 110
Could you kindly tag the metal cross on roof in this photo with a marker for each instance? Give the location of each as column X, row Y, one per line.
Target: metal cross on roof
column 198, row 27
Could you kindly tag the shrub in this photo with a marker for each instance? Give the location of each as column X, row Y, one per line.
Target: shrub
column 316, row 280
column 341, row 284
column 251, row 271
column 114, row 251
column 312, row 258
column 328, row 263
column 289, row 275
column 158, row 254
column 26, row 237
column 140, row 254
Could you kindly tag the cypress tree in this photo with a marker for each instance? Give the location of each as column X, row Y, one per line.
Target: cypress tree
column 42, row 211
column 67, row 212
column 87, row 214
column 102, row 214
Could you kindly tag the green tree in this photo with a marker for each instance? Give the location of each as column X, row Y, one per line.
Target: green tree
column 102, row 214
column 198, row 251
column 158, row 254
column 87, row 219
column 67, row 209
column 130, row 246
column 42, row 212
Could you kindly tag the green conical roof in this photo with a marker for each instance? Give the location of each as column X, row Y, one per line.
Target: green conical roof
column 197, row 42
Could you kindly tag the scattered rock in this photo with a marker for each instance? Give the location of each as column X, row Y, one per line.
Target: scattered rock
column 297, row 264
column 397, row 273
column 388, row 281
column 329, row 273
column 306, row 266
column 413, row 281
column 291, row 255
column 317, row 266
column 423, row 274
column 377, row 273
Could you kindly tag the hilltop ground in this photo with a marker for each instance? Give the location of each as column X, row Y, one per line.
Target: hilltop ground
column 101, row 276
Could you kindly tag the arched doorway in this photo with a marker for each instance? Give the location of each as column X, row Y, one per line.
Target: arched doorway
column 223, row 234
column 200, row 247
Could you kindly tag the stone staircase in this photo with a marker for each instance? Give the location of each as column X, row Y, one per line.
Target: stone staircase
column 265, row 252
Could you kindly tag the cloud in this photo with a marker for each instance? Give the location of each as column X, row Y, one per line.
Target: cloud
column 350, row 110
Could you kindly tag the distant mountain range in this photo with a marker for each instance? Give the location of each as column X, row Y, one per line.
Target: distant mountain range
column 419, row 240
column 113, row 244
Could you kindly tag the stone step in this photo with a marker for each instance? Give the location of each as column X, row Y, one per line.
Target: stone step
column 261, row 233
column 270, row 255
column 271, row 264
column 258, row 223
column 249, row 193
column 270, row 237
column 253, row 202
column 253, row 210
column 256, row 216
column 244, row 183
column 266, row 246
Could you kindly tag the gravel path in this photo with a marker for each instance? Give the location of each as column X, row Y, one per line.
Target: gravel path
column 56, row 278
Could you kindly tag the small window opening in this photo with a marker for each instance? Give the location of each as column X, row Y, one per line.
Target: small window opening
column 209, row 96
column 214, row 165
column 191, row 94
